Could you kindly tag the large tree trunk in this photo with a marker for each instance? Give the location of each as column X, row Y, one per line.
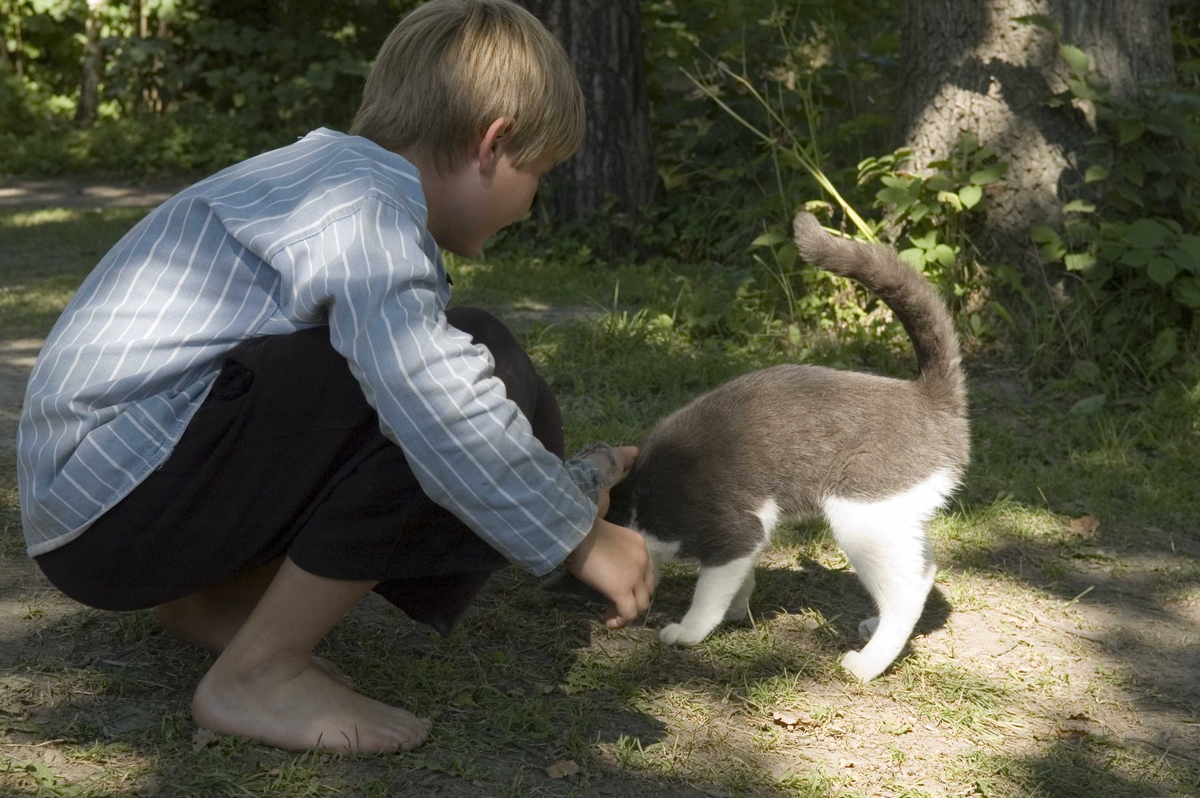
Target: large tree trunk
column 89, row 85
column 968, row 66
column 604, row 40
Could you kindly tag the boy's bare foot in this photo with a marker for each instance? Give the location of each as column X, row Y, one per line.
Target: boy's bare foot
column 295, row 704
column 266, row 686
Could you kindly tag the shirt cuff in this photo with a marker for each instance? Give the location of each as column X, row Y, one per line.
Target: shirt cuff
column 586, row 475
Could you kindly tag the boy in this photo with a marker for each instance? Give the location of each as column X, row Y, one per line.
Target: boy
column 256, row 409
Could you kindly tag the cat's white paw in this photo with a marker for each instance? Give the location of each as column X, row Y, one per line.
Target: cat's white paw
column 867, row 628
column 676, row 634
column 861, row 666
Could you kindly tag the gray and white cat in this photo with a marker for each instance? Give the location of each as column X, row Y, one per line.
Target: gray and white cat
column 875, row 456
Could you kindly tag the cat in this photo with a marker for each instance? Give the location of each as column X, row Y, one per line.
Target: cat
column 875, row 456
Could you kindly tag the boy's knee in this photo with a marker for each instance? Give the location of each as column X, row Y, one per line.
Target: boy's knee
column 513, row 366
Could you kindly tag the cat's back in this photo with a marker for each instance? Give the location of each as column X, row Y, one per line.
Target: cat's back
column 815, row 430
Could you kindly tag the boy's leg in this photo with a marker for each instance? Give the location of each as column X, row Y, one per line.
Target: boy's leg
column 264, row 685
column 209, row 618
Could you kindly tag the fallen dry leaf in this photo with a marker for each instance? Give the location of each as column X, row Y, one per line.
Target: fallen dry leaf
column 1086, row 526
column 790, row 719
column 202, row 739
column 562, row 769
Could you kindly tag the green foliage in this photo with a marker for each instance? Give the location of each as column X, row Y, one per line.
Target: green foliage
column 188, row 87
column 935, row 212
column 1132, row 233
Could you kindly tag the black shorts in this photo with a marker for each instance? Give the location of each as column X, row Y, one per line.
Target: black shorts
column 285, row 456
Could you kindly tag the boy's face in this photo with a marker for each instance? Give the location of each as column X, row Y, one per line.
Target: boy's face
column 477, row 200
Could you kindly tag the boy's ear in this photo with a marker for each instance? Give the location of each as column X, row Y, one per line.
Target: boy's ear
column 491, row 143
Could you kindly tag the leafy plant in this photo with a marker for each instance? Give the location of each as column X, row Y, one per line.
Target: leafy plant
column 934, row 212
column 1132, row 232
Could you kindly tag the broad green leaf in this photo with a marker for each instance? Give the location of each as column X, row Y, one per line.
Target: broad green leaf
column 970, row 195
column 944, row 254
column 1166, row 345
column 1082, row 90
column 1186, row 292
column 1086, row 371
column 895, row 196
column 1080, row 229
column 1127, row 192
column 990, row 174
column 1078, row 261
column 1095, row 173
column 785, row 256
column 918, row 212
column 938, row 183
column 1191, row 245
column 1147, row 233
column 950, row 198
column 1130, row 130
column 1043, row 234
column 768, row 240
column 1076, row 58
column 927, row 241
column 1161, row 270
column 1134, row 173
column 1079, row 206
column 1088, row 405
column 914, row 256
column 1183, row 259
column 896, row 182
column 1137, row 257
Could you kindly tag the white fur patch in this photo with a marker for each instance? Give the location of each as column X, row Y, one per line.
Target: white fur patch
column 885, row 541
column 919, row 503
column 769, row 515
column 661, row 551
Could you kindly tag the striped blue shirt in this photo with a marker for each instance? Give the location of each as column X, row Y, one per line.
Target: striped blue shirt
column 327, row 231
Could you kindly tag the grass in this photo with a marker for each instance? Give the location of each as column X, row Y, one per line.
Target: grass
column 95, row 703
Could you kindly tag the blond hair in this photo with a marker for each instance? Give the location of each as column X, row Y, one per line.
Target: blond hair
column 452, row 67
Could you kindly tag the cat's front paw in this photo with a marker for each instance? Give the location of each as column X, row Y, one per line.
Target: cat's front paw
column 677, row 634
column 861, row 666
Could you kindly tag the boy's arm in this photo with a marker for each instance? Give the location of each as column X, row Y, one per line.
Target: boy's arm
column 470, row 448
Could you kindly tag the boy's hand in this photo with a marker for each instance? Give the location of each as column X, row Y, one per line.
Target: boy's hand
column 614, row 561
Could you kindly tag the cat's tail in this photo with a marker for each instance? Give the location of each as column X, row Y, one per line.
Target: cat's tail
column 906, row 292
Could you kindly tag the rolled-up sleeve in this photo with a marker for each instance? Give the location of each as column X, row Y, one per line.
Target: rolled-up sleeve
column 472, row 450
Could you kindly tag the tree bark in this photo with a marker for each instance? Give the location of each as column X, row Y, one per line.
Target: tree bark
column 89, row 85
column 968, row 66
column 616, row 162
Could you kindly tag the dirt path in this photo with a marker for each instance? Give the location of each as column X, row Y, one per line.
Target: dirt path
column 77, row 193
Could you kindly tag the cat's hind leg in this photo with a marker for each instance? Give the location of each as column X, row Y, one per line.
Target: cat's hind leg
column 886, row 542
column 716, row 588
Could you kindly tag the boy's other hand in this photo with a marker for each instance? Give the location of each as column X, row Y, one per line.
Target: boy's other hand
column 614, row 561
column 614, row 462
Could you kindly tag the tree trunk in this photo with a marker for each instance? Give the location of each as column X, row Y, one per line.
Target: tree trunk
column 89, row 86
column 968, row 66
column 5, row 61
column 616, row 162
